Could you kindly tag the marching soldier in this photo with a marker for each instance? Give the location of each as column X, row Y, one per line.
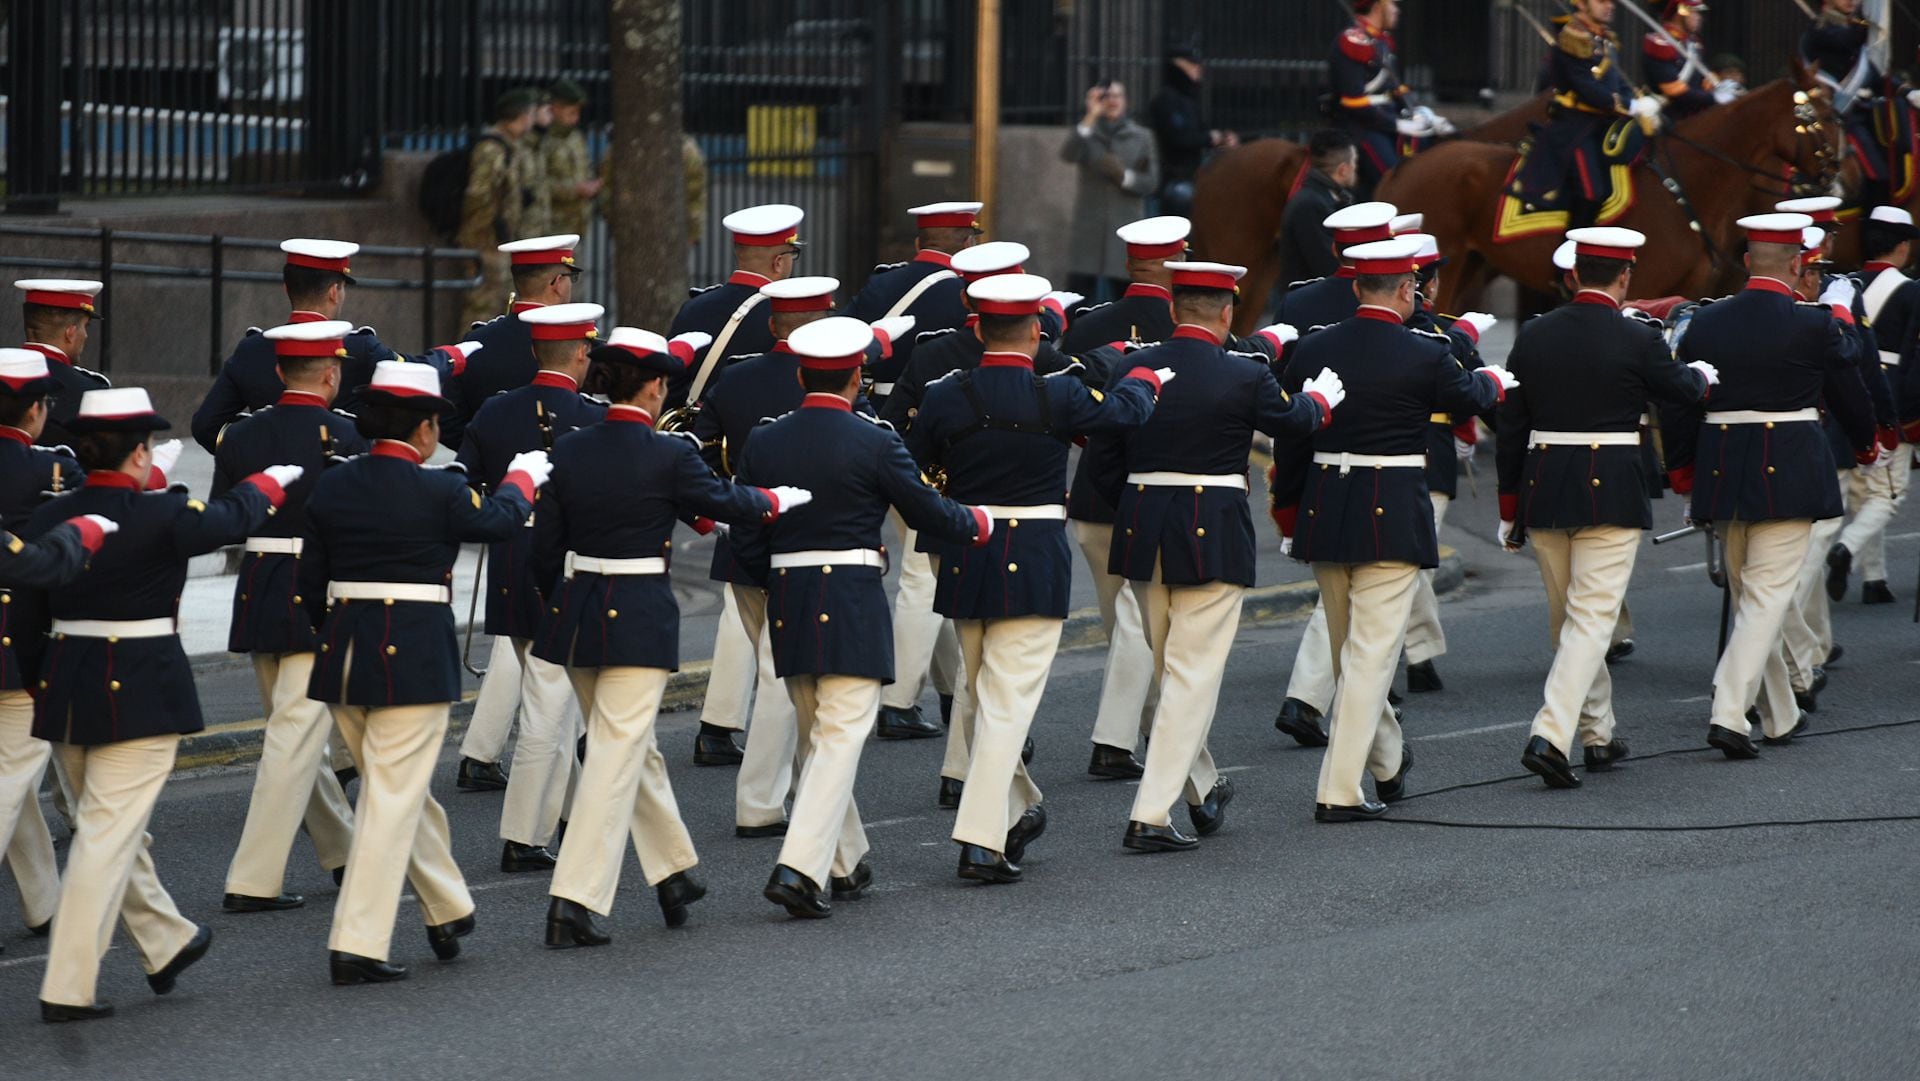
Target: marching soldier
column 1591, row 94
column 924, row 287
column 1672, row 61
column 384, row 532
column 293, row 785
column 115, row 691
column 1180, row 483
column 1322, row 302
column 58, row 313
column 1000, row 433
column 315, row 276
column 1767, row 470
column 1572, row 483
column 494, row 205
column 507, row 426
column 603, row 542
column 1369, row 535
column 766, row 241
column 822, row 570
column 569, row 165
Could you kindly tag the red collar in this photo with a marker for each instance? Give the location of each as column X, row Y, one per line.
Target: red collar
column 629, row 414
column 392, row 448
column 1595, row 296
column 519, row 306
column 547, row 378
column 1006, row 360
column 1146, row 289
column 972, row 321
column 16, row 435
column 51, row 352
column 937, row 258
column 301, row 397
column 1199, row 334
column 781, row 346
column 826, row 401
column 748, row 277
column 306, row 317
column 111, row 478
column 1876, row 266
column 1378, row 314
column 1346, row 271
column 1771, row 285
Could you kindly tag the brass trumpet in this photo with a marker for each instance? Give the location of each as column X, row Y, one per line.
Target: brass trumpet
column 678, row 419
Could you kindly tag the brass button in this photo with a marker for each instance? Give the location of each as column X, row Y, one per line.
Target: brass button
column 503, row 592
column 390, row 600
column 391, row 650
column 243, row 596
column 1769, row 425
column 43, row 684
column 828, row 569
column 59, row 637
column 1723, row 427
column 1129, row 531
column 1201, row 532
column 1013, row 523
column 1716, row 472
column 783, row 572
column 1309, row 512
column 1596, row 482
column 6, row 640
column 668, row 544
column 1013, row 567
column 1769, row 470
column 556, row 611
column 613, row 613
column 956, row 570
column 112, row 638
column 1139, row 487
column 5, row 599
column 324, row 647
column 1593, row 446
column 1199, row 487
column 1378, row 511
column 114, row 686
column 779, row 624
column 823, row 617
column 296, row 598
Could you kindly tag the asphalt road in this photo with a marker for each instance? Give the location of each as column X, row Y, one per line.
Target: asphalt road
column 1280, row 949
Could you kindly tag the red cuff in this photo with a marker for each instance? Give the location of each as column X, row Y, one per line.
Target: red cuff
column 269, row 487
column 1122, row 346
column 1468, row 432
column 458, row 364
column 1279, row 347
column 1284, row 518
column 1509, row 506
column 157, row 480
column 1499, row 390
column 982, row 527
column 1842, row 313
column 1326, row 411
column 1681, row 479
column 1146, row 375
column 703, row 526
column 1869, row 455
column 886, row 343
column 520, row 480
column 91, row 535
column 1059, row 310
column 773, row 501
column 681, row 351
column 1889, row 438
column 1472, row 332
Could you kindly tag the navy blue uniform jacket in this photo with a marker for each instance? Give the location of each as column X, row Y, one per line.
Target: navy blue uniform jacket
column 937, row 352
column 505, row 362
column 27, row 474
column 74, row 382
column 707, row 311
column 938, row 308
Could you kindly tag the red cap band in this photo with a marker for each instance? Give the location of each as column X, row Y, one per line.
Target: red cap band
column 329, row 347
column 60, row 300
column 315, row 262
column 542, row 258
column 1774, row 236
column 564, row 332
column 1157, row 251
column 1601, row 251
column 1006, row 307
column 1349, row 237
column 949, row 219
column 974, row 277
column 767, row 240
column 821, row 303
column 1384, row 266
column 1206, row 279
column 833, row 364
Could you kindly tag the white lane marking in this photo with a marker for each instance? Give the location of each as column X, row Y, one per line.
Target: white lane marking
column 1685, row 568
column 893, row 821
column 33, row 959
column 1481, row 731
column 1695, row 698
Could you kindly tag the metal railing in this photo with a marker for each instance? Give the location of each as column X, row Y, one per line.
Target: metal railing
column 105, row 267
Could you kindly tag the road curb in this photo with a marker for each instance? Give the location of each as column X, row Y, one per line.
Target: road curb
column 239, row 742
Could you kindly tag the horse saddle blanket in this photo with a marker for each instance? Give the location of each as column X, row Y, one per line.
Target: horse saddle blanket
column 1571, row 160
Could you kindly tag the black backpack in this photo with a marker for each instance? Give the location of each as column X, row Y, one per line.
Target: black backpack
column 443, row 186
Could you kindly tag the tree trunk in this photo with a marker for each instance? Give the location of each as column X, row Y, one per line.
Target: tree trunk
column 646, row 178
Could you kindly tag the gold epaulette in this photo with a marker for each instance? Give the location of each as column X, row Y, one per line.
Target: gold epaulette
column 1576, row 42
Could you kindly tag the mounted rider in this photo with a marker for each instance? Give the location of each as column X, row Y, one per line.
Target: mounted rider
column 1863, row 98
column 1369, row 101
column 1671, row 58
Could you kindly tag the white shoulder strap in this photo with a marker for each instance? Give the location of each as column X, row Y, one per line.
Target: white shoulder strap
column 717, row 352
column 919, row 289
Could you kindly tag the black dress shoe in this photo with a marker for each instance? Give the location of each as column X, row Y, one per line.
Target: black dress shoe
column 1115, row 763
column 1026, row 830
column 1339, row 812
column 950, row 790
column 979, row 864
column 240, row 902
column 1732, row 744
column 907, row 723
column 1302, row 722
column 346, row 776
column 1797, row 729
column 1026, row 752
column 1168, row 838
column 771, row 829
column 1807, row 700
column 1620, row 651
column 340, row 875
column 675, row 892
column 1393, row 697
column 1839, row 565
column 1395, row 786
column 445, row 937
column 55, row 1012
column 851, row 887
column 1875, row 593
column 1210, row 814
column 196, row 948
column 350, row 968
column 516, row 857
column 559, row 836
column 714, row 746
column 946, row 709
column 1603, row 758
column 478, row 776
column 1819, row 679
column 1543, row 758
column 570, row 923
column 1833, row 656
column 42, row 929
column 797, row 894
column 1423, row 677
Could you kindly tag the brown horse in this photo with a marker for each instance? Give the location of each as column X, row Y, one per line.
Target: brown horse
column 1241, row 195
column 1729, row 162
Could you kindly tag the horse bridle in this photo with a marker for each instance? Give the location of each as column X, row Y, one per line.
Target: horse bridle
column 1807, row 125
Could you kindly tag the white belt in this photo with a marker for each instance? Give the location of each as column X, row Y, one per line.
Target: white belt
column 883, row 388
column 1589, row 439
column 1646, row 420
column 116, row 628
column 1055, row 512
column 388, row 591
column 1163, row 479
column 828, row 557
column 1889, row 358
column 1759, row 416
column 1347, row 460
column 276, row 546
column 577, row 563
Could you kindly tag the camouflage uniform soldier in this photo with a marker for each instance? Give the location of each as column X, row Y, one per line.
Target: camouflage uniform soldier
column 571, row 185
column 531, row 162
column 492, row 214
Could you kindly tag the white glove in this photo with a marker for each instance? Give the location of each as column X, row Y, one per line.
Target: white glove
column 1646, row 105
column 987, row 518
column 107, row 525
column 1067, row 300
column 1286, row 545
column 1863, row 95
column 1838, row 291
column 1505, row 534
column 1505, row 377
column 791, row 498
column 1707, row 371
column 1913, row 98
column 1327, row 385
column 894, row 327
column 166, row 454
column 1686, row 511
column 1726, row 92
column 1413, row 126
column 1462, row 449
column 1481, row 322
column 469, row 347
column 534, row 464
column 284, row 475
column 1165, row 375
column 1285, row 332
column 721, row 528
column 696, row 340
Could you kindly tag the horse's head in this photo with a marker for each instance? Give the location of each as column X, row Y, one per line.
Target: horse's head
column 1809, row 139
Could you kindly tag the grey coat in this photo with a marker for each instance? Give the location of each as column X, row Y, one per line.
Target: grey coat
column 1118, row 170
